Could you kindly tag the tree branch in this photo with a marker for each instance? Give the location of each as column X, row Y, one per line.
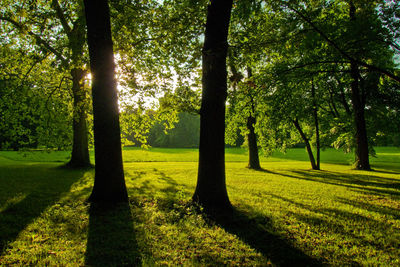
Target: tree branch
column 341, row 51
column 38, row 39
column 61, row 17
column 317, row 63
column 31, row 68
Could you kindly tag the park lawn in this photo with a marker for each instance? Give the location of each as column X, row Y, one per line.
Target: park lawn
column 285, row 215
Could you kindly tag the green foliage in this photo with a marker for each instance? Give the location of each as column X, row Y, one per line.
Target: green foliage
column 34, row 104
column 185, row 133
column 44, row 42
column 288, row 44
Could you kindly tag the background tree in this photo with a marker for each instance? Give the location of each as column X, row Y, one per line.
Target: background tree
column 34, row 103
column 301, row 41
column 59, row 30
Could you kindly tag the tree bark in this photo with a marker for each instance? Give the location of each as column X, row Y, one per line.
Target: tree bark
column 308, row 146
column 361, row 138
column 358, row 103
column 254, row 160
column 109, row 182
column 315, row 114
column 211, row 190
column 80, row 146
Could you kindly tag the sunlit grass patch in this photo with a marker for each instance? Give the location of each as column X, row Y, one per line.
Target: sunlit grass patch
column 286, row 214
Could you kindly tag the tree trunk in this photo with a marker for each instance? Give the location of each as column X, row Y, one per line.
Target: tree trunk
column 254, row 161
column 315, row 113
column 358, row 102
column 308, row 146
column 211, row 188
column 109, row 182
column 361, row 153
column 80, row 146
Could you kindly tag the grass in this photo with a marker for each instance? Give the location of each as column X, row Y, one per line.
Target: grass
column 285, row 215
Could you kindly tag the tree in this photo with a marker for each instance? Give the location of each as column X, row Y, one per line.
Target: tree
column 319, row 38
column 242, row 113
column 42, row 24
column 211, row 187
column 30, row 100
column 109, row 182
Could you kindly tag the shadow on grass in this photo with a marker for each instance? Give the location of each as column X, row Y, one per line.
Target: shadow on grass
column 258, row 232
column 111, row 236
column 358, row 182
column 26, row 191
column 351, row 227
column 392, row 168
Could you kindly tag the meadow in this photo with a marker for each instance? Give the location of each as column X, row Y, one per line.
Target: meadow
column 285, row 215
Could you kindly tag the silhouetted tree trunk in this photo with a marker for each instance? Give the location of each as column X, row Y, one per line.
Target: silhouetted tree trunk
column 361, row 151
column 76, row 42
column 307, row 143
column 211, row 188
column 358, row 103
column 254, row 160
column 109, row 182
column 80, row 146
column 315, row 114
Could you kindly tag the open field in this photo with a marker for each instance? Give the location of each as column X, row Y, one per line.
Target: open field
column 285, row 215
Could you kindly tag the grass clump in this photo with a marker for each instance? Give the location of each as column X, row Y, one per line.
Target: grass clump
column 286, row 214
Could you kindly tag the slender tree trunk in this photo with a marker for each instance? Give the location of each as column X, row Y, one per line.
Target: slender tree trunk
column 211, row 188
column 109, row 182
column 358, row 102
column 254, row 160
column 80, row 146
column 315, row 113
column 308, row 146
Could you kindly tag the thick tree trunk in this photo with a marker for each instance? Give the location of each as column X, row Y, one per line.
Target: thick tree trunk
column 358, row 102
column 80, row 146
column 315, row 114
column 254, row 160
column 211, row 188
column 361, row 150
column 308, row 146
column 109, row 183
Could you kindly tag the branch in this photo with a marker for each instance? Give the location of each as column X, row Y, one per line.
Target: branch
column 314, row 63
column 38, row 39
column 31, row 68
column 48, row 98
column 61, row 17
column 341, row 51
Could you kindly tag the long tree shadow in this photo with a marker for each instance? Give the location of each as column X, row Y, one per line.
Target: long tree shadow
column 27, row 190
column 366, row 183
column 257, row 231
column 111, row 236
column 358, row 182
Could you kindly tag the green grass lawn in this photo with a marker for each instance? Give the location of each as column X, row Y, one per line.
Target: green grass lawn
column 285, row 215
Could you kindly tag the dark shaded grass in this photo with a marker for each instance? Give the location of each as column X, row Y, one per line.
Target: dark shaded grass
column 34, row 187
column 111, row 236
column 258, row 232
